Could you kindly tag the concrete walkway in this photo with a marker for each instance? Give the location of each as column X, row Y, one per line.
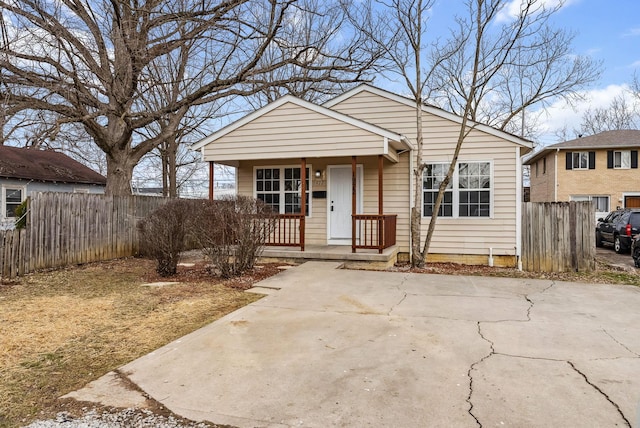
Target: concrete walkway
column 330, row 347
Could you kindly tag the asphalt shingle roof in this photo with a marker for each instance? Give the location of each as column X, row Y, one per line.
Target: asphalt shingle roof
column 618, row 139
column 45, row 165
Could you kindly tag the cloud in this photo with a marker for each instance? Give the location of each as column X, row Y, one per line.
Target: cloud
column 633, row 32
column 561, row 115
column 513, row 7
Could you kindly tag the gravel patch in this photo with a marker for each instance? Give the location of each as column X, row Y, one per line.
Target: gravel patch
column 117, row 418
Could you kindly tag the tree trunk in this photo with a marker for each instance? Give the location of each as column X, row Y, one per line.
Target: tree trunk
column 119, row 173
column 172, row 149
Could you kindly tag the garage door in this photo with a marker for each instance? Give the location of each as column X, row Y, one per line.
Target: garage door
column 632, row 201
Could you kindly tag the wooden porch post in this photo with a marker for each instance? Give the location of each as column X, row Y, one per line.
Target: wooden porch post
column 381, row 244
column 380, row 183
column 211, row 171
column 303, row 199
column 353, row 204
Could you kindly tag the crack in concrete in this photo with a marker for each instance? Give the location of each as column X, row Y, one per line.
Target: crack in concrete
column 404, row 294
column 594, row 386
column 470, row 375
column 620, row 343
column 493, row 351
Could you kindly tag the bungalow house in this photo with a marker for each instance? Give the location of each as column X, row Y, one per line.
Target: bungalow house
column 602, row 168
column 352, row 160
column 24, row 171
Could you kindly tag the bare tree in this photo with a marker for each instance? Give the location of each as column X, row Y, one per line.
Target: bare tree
column 621, row 113
column 490, row 69
column 91, row 62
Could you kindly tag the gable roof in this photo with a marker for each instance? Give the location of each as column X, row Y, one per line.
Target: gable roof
column 45, row 165
column 428, row 109
column 617, row 139
column 305, row 104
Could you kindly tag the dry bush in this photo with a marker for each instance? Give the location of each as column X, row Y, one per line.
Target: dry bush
column 164, row 233
column 232, row 233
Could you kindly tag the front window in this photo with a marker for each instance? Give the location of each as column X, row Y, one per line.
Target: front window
column 468, row 193
column 280, row 189
column 474, row 180
column 433, row 176
column 622, row 159
column 13, row 197
column 580, row 160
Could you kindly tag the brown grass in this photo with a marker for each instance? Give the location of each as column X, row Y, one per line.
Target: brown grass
column 60, row 330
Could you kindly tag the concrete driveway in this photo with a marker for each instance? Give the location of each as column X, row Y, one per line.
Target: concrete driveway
column 330, row 347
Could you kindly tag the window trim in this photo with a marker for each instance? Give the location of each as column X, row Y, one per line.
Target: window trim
column 3, row 198
column 628, row 152
column 282, row 192
column 581, row 197
column 455, row 189
column 579, row 153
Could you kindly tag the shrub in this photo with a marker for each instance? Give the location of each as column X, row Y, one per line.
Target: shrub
column 21, row 211
column 164, row 233
column 232, row 232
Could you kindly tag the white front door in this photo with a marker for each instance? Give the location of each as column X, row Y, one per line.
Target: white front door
column 339, row 201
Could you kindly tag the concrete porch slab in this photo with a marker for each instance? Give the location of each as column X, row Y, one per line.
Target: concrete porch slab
column 368, row 258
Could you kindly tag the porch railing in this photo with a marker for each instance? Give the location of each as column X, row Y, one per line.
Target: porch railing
column 374, row 231
column 287, row 231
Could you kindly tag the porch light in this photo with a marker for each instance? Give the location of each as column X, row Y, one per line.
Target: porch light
column 318, row 173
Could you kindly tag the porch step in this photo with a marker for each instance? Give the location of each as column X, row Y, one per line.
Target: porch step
column 362, row 258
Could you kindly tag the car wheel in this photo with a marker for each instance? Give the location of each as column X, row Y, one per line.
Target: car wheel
column 598, row 239
column 617, row 245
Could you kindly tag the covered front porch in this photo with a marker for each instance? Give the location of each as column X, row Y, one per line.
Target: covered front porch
column 345, row 221
column 323, row 173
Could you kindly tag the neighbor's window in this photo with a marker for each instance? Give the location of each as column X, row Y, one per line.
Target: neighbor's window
column 601, row 202
column 467, row 195
column 580, row 160
column 13, row 197
column 622, row 159
column 280, row 189
column 544, row 165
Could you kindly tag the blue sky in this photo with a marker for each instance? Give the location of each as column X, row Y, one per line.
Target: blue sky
column 608, row 31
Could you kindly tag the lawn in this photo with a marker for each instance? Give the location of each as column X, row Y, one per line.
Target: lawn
column 60, row 330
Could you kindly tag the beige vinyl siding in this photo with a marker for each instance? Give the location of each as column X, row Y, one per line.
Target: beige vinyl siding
column 459, row 235
column 396, row 193
column 291, row 131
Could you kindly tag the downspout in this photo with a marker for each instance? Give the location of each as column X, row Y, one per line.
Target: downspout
column 519, row 203
column 555, row 177
column 410, row 200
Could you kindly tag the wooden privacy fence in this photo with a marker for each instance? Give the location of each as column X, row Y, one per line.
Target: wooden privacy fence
column 71, row 228
column 558, row 236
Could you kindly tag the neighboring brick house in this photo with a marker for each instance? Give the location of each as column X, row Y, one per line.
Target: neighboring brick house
column 24, row 171
column 602, row 168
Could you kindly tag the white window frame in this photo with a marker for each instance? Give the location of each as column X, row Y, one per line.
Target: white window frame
column 581, row 155
column 455, row 189
column 3, row 197
column 579, row 198
column 282, row 192
column 619, row 156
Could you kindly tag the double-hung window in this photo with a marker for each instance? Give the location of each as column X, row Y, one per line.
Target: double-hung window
column 580, row 160
column 280, row 188
column 622, row 159
column 433, row 176
column 469, row 193
column 12, row 197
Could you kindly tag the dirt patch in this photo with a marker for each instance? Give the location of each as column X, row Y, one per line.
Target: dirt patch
column 605, row 273
column 60, row 330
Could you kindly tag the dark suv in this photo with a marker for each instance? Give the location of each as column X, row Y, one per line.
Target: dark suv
column 618, row 228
